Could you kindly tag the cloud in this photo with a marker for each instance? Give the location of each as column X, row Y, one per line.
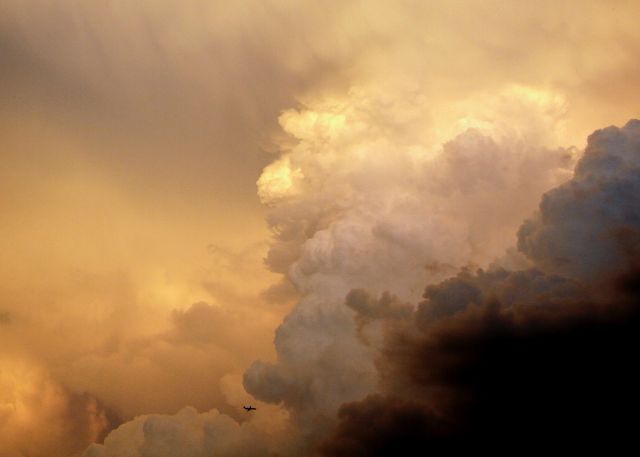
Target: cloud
column 363, row 211
column 360, row 199
column 497, row 378
column 129, row 343
column 133, row 140
column 39, row 416
column 382, row 426
column 185, row 433
column 368, row 309
column 509, row 288
column 495, row 359
column 598, row 208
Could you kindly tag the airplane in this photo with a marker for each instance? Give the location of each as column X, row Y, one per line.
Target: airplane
column 249, row 408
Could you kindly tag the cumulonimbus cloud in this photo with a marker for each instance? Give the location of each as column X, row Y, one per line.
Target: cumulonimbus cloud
column 395, row 169
column 352, row 208
column 482, row 348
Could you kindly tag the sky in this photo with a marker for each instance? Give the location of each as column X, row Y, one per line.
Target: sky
column 297, row 205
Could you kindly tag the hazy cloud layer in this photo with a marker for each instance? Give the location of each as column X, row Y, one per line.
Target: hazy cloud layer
column 38, row 416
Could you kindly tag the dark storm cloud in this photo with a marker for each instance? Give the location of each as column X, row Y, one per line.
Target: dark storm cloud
column 505, row 379
column 509, row 288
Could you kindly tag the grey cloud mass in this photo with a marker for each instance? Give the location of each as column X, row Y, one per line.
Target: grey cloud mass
column 599, row 208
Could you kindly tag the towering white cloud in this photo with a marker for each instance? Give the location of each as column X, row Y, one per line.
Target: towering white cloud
column 361, row 199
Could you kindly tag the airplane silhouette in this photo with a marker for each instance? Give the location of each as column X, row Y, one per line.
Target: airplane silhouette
column 249, row 408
